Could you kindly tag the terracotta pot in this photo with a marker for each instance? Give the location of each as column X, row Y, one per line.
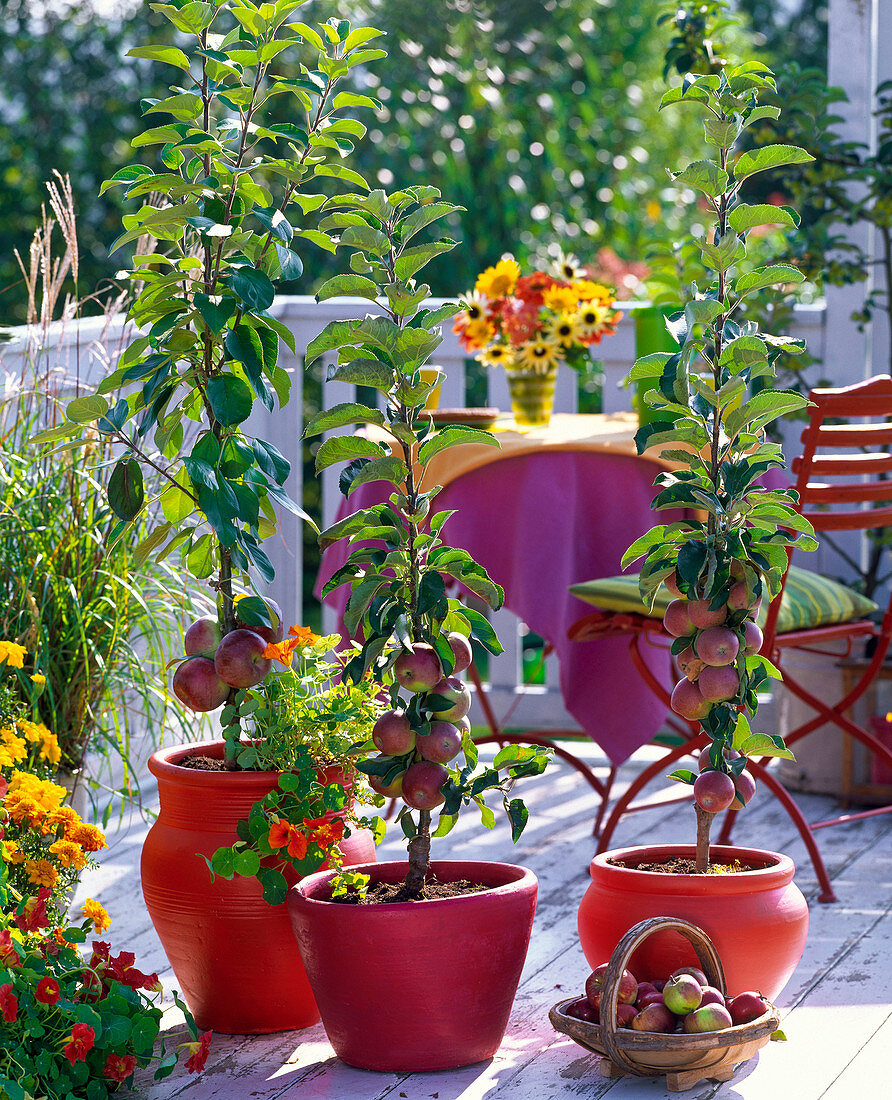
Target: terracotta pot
column 233, row 955
column 416, row 985
column 757, row 919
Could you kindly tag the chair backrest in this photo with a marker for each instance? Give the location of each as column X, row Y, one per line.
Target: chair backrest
column 843, row 474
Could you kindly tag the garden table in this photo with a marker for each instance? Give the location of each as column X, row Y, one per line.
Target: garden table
column 554, row 506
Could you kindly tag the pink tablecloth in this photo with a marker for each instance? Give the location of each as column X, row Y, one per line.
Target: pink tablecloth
column 539, row 522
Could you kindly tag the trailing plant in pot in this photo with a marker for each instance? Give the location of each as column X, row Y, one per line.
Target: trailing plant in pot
column 416, row 640
column 720, row 567
column 228, row 203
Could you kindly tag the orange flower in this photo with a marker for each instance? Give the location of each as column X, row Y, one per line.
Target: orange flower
column 283, row 652
column 303, row 635
column 279, row 834
column 329, row 833
column 297, row 847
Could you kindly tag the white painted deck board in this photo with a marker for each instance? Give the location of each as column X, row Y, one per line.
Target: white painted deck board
column 837, row 1008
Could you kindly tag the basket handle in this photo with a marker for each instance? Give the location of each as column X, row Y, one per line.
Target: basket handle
column 703, row 946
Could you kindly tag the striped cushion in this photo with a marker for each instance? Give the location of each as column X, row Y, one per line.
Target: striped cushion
column 809, row 600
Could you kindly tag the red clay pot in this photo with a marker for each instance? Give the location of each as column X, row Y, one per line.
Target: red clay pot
column 233, row 955
column 757, row 919
column 416, row 985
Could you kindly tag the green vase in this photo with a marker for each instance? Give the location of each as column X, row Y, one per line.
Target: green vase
column 532, row 397
column 651, row 335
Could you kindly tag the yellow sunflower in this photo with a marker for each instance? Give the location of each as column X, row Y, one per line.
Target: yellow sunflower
column 539, row 355
column 500, row 280
column 591, row 319
column 560, row 299
column 478, row 333
column 589, row 291
column 475, row 307
column 565, row 330
column 496, row 355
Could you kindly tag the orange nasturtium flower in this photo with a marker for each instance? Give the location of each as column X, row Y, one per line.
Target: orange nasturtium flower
column 279, row 834
column 328, row 833
column 283, row 652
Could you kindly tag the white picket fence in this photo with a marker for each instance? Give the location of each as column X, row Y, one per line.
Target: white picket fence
column 82, row 351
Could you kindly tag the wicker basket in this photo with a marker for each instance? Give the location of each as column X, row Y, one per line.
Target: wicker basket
column 683, row 1059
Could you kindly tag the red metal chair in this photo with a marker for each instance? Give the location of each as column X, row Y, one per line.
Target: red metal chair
column 846, row 427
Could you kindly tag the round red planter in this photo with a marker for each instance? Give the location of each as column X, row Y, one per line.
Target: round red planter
column 233, row 955
column 757, row 919
column 416, row 985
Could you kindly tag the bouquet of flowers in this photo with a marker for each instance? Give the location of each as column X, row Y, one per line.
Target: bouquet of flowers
column 529, row 323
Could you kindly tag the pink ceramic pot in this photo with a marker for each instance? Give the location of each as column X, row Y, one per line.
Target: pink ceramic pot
column 233, row 955
column 416, row 985
column 757, row 919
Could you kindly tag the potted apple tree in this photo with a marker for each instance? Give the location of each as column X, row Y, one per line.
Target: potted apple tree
column 716, row 388
column 234, row 188
column 415, row 640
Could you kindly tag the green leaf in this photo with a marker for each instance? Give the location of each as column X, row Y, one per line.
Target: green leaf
column 348, row 285
column 363, row 372
column 339, row 416
column 518, row 815
column 768, row 156
column 414, row 259
column 339, row 172
column 253, row 289
column 346, row 448
column 126, row 494
column 84, row 410
column 765, row 744
column 683, row 775
column 243, row 343
column 390, row 468
column 744, row 216
column 453, row 437
column 705, row 176
column 246, row 863
column 275, row 887
column 767, row 276
column 168, row 54
column 214, row 314
column 230, row 398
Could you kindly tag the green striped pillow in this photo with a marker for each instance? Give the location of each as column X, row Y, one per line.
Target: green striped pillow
column 809, row 600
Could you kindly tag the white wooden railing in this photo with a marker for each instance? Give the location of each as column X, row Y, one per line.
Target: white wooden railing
column 82, row 350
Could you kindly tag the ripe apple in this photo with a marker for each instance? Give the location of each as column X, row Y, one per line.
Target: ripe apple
column 714, row 791
column 239, row 659
column 582, row 1010
column 656, row 1017
column 202, row 638
column 708, row 1018
column 419, row 670
column 643, row 989
column 677, row 620
column 746, row 1007
column 456, row 691
column 744, row 789
column 671, row 583
column 442, row 744
column 711, row 996
column 654, row 997
column 718, row 685
column 422, row 783
column 392, row 733
column 271, row 634
column 626, row 993
column 197, row 685
column 752, row 637
column 463, row 724
column 717, row 646
column 687, row 700
column 704, row 761
column 390, row 790
column 461, row 651
column 625, row 1014
column 694, row 972
column 659, row 984
column 681, row 994
column 702, row 616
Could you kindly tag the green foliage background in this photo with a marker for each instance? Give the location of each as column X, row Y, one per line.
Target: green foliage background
column 538, row 116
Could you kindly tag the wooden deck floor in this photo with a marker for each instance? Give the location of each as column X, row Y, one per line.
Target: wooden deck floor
column 837, row 1009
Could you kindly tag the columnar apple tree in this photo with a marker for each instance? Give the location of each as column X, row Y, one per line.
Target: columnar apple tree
column 416, row 637
column 219, row 220
column 715, row 398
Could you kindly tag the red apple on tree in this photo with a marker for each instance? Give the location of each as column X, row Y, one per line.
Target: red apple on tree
column 239, row 659
column 202, row 638
column 744, row 789
column 703, row 616
column 197, row 685
column 442, row 744
column 714, row 791
column 390, row 790
column 456, row 691
column 677, row 620
column 717, row 685
column 687, row 700
column 461, row 651
column 419, row 670
column 717, row 646
column 392, row 733
column 422, row 783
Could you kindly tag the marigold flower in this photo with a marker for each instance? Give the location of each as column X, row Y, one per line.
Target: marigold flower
column 82, row 1040
column 589, row 291
column 50, row 749
column 97, row 914
column 41, row 872
column 13, row 654
column 38, row 679
column 88, row 836
column 47, row 991
column 69, row 854
column 66, row 817
column 497, row 281
column 12, row 853
column 13, row 749
column 198, row 1052
column 118, row 1067
column 9, row 1003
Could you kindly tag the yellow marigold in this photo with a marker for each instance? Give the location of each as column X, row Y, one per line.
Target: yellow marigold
column 500, row 280
column 11, row 852
column 68, row 854
column 560, row 299
column 66, row 817
column 41, row 872
column 88, row 836
column 13, row 654
column 48, row 795
column 539, row 355
column 31, row 731
column 50, row 750
column 497, row 355
column 96, row 913
column 588, row 291
column 24, row 810
column 13, row 750
column 39, row 679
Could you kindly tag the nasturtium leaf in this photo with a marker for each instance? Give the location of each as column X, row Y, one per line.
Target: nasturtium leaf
column 230, row 399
